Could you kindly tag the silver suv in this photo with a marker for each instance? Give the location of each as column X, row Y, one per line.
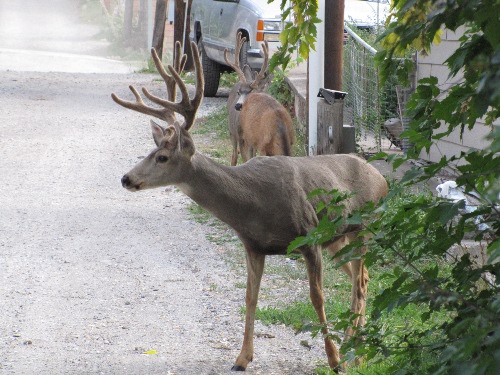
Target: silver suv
column 215, row 24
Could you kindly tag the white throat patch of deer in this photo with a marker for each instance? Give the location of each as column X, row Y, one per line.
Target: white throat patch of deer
column 257, row 121
column 264, row 201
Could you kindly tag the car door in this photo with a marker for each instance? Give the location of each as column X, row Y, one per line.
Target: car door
column 210, row 29
column 226, row 31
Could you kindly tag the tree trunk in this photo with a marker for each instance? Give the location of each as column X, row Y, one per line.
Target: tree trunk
column 159, row 27
column 127, row 22
column 179, row 30
column 142, row 31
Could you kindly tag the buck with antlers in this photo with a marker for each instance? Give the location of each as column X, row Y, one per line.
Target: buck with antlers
column 257, row 121
column 264, row 200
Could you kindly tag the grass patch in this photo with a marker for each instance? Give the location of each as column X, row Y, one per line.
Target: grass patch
column 214, row 127
column 300, row 146
column 301, row 316
column 215, row 124
column 228, row 79
column 337, row 290
column 288, row 271
column 200, row 215
column 364, row 368
column 240, row 285
column 298, row 313
column 221, row 233
column 221, row 239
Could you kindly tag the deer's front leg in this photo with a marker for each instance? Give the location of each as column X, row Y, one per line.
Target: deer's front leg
column 234, row 156
column 255, row 268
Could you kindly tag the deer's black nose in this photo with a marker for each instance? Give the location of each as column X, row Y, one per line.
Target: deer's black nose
column 238, row 106
column 125, row 181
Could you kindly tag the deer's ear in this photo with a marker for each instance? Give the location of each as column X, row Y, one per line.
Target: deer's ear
column 158, row 132
column 170, row 138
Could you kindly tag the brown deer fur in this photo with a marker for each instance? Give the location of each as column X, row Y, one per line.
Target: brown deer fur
column 257, row 121
column 266, row 127
column 266, row 202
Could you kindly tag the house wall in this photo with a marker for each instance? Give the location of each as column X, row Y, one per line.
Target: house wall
column 433, row 65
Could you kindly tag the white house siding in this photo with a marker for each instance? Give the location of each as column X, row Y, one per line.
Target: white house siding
column 433, row 65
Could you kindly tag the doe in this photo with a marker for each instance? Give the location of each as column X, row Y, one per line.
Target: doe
column 257, row 121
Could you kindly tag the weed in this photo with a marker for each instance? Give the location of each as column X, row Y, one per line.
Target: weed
column 201, row 215
column 228, row 79
column 288, row 269
column 280, row 89
column 215, row 124
column 213, row 287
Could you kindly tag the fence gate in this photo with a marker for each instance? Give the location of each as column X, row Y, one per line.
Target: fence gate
column 367, row 104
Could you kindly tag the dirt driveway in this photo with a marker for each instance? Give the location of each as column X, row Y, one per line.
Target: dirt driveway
column 92, row 277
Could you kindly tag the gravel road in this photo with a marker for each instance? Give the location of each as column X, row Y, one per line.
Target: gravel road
column 92, row 276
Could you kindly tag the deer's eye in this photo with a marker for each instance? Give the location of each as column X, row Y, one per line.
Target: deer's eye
column 161, row 159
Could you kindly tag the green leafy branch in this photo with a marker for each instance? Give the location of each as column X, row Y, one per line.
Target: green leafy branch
column 299, row 32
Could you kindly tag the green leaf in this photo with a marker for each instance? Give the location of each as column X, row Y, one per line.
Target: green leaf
column 443, row 212
column 304, row 50
column 298, row 243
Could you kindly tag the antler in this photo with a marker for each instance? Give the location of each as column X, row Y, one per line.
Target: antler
column 186, row 107
column 236, row 65
column 262, row 74
column 165, row 114
column 179, row 63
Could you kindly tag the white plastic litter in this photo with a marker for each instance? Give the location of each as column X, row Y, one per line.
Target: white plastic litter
column 450, row 190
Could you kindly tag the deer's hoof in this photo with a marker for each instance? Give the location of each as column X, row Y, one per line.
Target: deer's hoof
column 338, row 370
column 237, row 368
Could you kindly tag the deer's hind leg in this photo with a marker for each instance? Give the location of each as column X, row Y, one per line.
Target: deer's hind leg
column 314, row 264
column 246, row 150
column 359, row 292
column 358, row 274
column 255, row 268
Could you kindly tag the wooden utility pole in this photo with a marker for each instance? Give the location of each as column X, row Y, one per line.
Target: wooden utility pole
column 330, row 133
column 334, row 44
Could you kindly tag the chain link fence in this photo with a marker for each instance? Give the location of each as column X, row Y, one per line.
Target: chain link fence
column 374, row 110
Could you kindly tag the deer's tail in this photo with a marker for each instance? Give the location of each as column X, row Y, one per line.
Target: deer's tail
column 285, row 140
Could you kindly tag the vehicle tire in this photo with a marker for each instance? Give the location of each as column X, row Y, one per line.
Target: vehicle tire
column 211, row 71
